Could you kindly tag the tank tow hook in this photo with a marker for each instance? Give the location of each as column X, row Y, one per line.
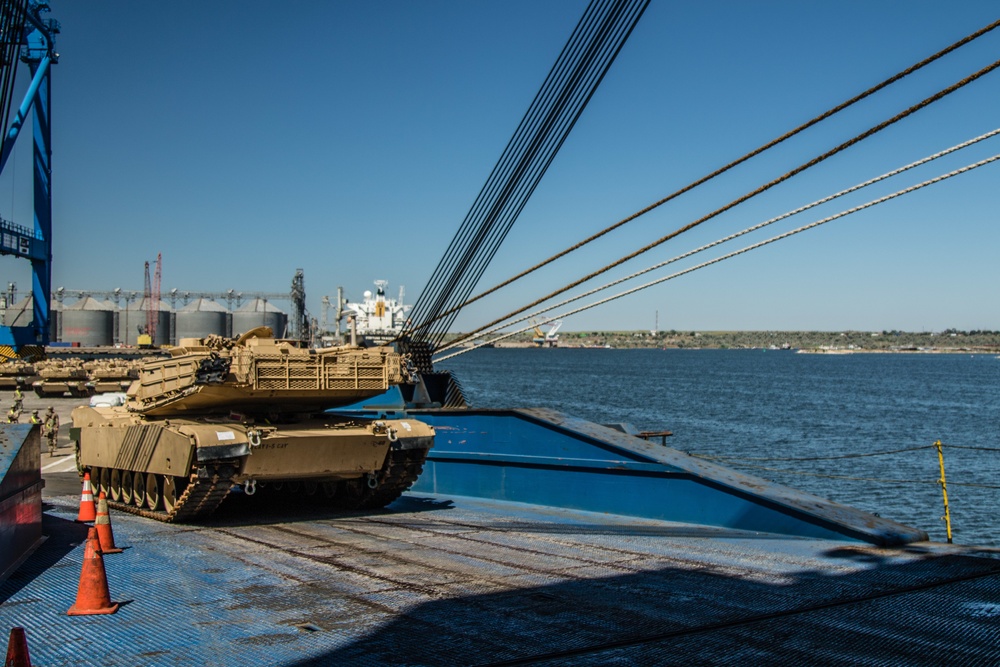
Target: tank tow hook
column 381, row 427
column 253, row 437
column 372, row 481
column 250, row 487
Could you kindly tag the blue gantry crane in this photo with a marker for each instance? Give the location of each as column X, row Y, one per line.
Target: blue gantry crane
column 27, row 37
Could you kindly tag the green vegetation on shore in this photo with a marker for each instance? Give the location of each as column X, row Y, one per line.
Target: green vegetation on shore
column 820, row 341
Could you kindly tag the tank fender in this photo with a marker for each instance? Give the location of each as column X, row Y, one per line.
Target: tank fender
column 410, row 434
column 218, row 441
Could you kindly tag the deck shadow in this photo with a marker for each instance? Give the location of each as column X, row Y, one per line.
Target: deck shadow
column 679, row 616
column 241, row 510
column 62, row 536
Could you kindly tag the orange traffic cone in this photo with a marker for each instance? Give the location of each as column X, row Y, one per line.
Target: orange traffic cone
column 87, row 510
column 17, row 649
column 93, row 596
column 105, row 536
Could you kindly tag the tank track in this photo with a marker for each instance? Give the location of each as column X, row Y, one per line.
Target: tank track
column 208, row 486
column 402, row 468
column 205, row 491
column 400, row 471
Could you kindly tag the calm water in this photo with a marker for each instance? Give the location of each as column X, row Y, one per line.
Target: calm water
column 754, row 403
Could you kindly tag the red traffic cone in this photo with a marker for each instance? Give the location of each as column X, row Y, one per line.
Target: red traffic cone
column 87, row 510
column 17, row 649
column 93, row 596
column 105, row 536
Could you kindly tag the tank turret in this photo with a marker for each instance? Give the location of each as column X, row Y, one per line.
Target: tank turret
column 112, row 375
column 250, row 413
column 59, row 377
column 261, row 376
column 15, row 373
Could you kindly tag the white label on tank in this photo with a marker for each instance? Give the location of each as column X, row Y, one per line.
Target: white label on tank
column 226, row 435
column 406, row 425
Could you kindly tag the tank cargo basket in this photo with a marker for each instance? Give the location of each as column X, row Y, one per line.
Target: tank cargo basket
column 263, row 370
column 274, row 368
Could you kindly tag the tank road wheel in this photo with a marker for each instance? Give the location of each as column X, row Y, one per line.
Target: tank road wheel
column 98, row 478
column 173, row 488
column 105, row 482
column 329, row 490
column 116, row 485
column 152, row 491
column 138, row 489
column 310, row 487
column 95, row 482
column 127, row 492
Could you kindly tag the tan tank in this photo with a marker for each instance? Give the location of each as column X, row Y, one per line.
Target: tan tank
column 60, row 377
column 15, row 373
column 249, row 414
column 111, row 375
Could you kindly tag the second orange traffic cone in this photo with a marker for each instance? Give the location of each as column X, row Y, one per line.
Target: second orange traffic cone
column 87, row 510
column 93, row 596
column 105, row 535
column 17, row 649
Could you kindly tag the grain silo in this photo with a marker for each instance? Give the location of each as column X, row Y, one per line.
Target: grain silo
column 21, row 314
column 259, row 313
column 55, row 321
column 132, row 317
column 89, row 322
column 200, row 318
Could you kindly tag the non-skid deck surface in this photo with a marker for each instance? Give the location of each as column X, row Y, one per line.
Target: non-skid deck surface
column 459, row 581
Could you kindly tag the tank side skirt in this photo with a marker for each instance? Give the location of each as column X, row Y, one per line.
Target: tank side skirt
column 137, row 449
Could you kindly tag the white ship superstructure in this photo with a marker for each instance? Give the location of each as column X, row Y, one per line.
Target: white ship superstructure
column 378, row 319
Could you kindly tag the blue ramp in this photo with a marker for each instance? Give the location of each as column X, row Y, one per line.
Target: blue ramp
column 544, row 457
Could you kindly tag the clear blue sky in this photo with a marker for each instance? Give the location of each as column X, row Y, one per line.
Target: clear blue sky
column 243, row 140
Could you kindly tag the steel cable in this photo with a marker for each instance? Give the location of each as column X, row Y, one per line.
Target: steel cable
column 746, row 249
column 847, row 477
column 865, row 479
column 500, row 202
column 726, row 239
column 763, row 188
column 729, row 166
column 547, row 156
column 983, row 449
column 816, row 458
column 526, row 186
column 437, row 288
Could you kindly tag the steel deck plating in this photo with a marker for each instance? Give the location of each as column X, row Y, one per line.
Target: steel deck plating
column 438, row 580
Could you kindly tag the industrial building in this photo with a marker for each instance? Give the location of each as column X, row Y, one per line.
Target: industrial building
column 88, row 321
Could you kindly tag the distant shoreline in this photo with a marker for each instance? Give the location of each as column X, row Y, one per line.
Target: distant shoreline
column 942, row 350
column 807, row 342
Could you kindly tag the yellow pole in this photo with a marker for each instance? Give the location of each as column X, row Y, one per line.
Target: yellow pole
column 944, row 489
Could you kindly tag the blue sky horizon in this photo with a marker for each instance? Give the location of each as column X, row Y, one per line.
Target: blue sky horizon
column 244, row 141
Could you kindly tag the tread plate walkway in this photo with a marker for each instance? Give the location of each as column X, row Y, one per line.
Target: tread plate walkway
column 459, row 581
